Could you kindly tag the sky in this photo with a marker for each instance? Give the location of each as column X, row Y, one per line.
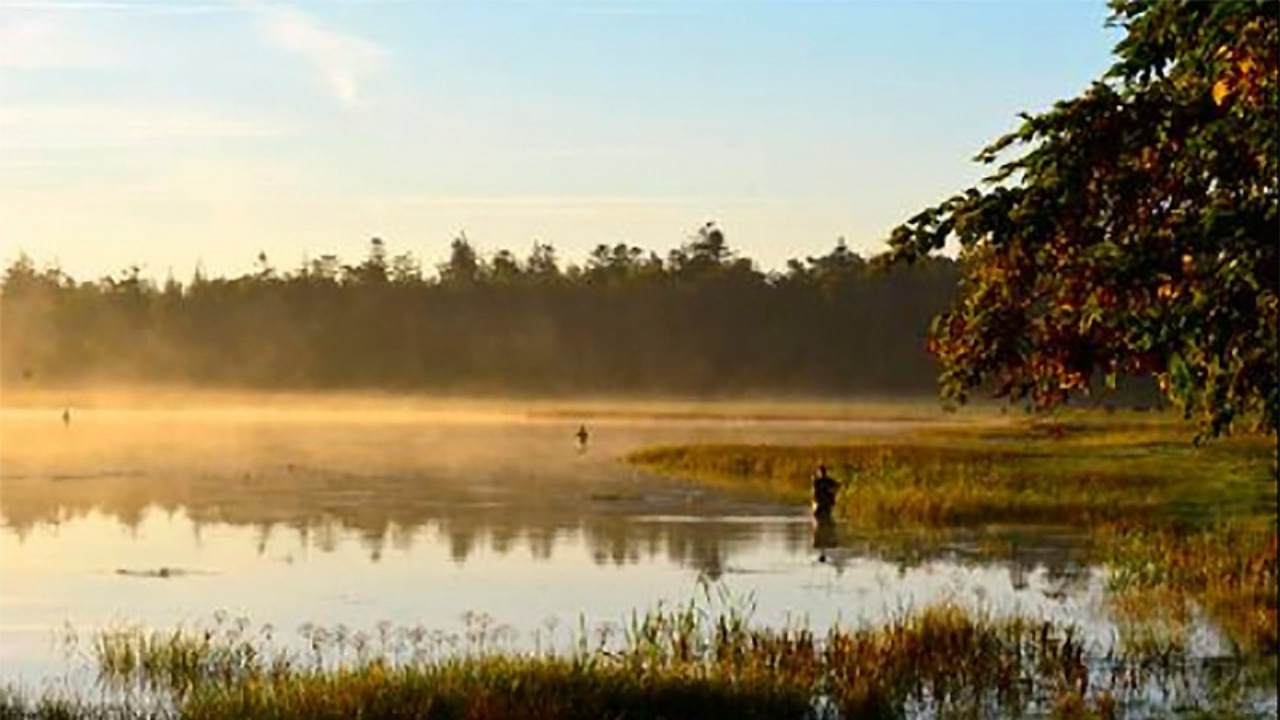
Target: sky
column 176, row 134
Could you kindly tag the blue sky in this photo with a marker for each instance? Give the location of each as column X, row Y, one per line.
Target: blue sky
column 176, row 132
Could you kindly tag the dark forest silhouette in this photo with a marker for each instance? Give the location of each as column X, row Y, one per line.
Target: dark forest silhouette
column 703, row 321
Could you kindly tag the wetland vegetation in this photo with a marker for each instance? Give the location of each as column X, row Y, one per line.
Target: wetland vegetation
column 1171, row 519
column 1175, row 555
column 702, row 659
column 1125, row 237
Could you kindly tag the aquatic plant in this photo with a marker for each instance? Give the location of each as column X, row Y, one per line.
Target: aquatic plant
column 702, row 658
column 1154, row 510
column 1229, row 570
column 1177, row 525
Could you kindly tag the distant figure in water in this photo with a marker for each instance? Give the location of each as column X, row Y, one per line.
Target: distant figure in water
column 66, row 417
column 825, row 489
column 582, row 436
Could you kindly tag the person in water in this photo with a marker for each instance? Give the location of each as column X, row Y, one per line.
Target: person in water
column 66, row 417
column 825, row 489
column 582, row 436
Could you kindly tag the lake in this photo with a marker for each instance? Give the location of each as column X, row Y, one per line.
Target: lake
column 431, row 517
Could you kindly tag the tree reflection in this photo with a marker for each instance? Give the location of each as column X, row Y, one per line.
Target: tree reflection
column 402, row 493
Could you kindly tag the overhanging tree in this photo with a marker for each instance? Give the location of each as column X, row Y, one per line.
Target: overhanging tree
column 1134, row 229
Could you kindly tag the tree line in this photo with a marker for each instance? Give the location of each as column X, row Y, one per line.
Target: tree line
column 703, row 320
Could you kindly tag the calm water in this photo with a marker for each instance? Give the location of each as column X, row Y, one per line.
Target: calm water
column 163, row 517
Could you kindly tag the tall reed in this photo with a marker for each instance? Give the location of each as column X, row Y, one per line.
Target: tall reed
column 700, row 659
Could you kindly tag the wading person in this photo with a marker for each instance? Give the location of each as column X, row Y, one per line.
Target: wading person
column 582, row 436
column 825, row 489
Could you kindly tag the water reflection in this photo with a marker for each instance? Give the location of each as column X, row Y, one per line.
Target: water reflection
column 94, row 572
column 165, row 517
column 500, row 481
column 826, row 536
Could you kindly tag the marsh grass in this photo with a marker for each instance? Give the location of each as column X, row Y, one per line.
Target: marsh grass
column 1183, row 529
column 695, row 660
column 1228, row 570
column 1085, row 473
column 927, row 484
column 1175, row 521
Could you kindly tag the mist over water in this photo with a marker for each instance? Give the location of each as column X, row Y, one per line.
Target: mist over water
column 289, row 510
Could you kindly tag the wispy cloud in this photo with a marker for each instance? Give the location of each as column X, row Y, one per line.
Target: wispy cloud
column 95, row 126
column 50, row 40
column 147, row 6
column 342, row 60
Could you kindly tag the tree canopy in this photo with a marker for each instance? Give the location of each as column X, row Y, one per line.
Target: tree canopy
column 699, row 319
column 1130, row 230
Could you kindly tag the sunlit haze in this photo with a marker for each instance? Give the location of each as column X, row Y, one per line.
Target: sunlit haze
column 171, row 133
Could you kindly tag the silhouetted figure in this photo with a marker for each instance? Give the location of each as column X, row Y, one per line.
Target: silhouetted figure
column 582, row 436
column 825, row 489
column 66, row 417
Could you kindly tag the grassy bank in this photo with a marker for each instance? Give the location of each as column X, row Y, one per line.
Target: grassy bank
column 684, row 662
column 1079, row 471
column 1170, row 518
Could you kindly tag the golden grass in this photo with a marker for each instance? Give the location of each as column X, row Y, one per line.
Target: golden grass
column 684, row 662
column 1168, row 516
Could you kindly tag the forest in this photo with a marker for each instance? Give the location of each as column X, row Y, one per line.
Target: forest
column 703, row 320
